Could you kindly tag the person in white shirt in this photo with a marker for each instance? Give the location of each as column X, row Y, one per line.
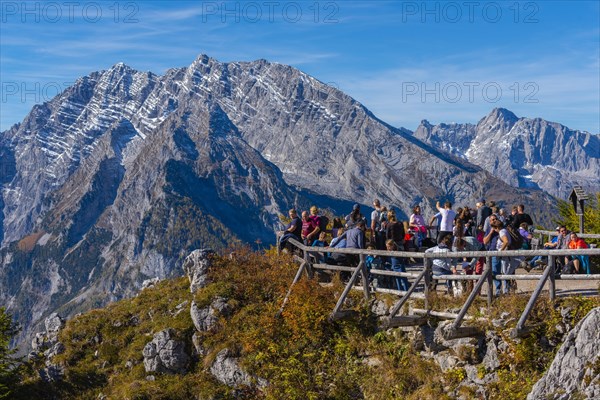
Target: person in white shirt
column 448, row 216
column 507, row 265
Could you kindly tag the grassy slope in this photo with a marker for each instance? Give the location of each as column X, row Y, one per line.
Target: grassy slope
column 301, row 353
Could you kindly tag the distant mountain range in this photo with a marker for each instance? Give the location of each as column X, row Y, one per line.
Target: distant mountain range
column 117, row 178
column 523, row 152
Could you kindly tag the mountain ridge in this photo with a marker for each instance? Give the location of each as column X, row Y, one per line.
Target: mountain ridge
column 524, row 152
column 124, row 173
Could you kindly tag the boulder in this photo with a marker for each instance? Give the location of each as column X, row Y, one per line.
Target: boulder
column 47, row 342
column 571, row 374
column 196, row 266
column 165, row 354
column 197, row 341
column 446, row 361
column 52, row 373
column 56, row 349
column 226, row 370
column 205, row 318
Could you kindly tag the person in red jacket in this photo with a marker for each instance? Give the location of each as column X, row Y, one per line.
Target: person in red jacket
column 579, row 261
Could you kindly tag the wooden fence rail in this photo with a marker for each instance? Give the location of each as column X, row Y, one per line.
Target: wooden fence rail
column 425, row 275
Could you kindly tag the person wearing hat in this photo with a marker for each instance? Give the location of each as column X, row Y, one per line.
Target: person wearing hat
column 354, row 217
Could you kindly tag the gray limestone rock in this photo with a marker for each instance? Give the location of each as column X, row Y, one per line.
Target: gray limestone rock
column 53, row 324
column 379, row 308
column 148, row 283
column 572, row 371
column 165, row 354
column 39, row 342
column 205, row 319
column 52, row 373
column 199, row 349
column 523, row 152
column 226, row 370
column 447, row 361
column 122, row 154
column 56, row 349
column 490, row 360
column 474, row 375
column 196, row 266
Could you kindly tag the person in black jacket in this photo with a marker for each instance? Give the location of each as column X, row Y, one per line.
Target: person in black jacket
column 292, row 231
column 521, row 217
column 395, row 230
column 483, row 212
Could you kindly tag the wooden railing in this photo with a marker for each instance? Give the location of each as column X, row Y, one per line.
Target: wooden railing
column 308, row 265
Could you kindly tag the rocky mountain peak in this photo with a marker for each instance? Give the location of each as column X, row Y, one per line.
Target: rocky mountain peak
column 426, row 123
column 499, row 120
column 524, row 152
column 503, row 113
column 119, row 176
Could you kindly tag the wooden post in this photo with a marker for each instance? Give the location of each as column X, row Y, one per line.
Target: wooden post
column 365, row 276
column 428, row 280
column 490, row 283
column 470, row 299
column 552, row 281
column 520, row 329
column 309, row 268
column 407, row 294
column 296, row 279
column 347, row 289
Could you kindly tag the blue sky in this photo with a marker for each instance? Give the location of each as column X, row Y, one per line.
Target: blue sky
column 406, row 61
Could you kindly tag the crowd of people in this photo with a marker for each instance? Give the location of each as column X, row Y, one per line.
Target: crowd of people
column 484, row 227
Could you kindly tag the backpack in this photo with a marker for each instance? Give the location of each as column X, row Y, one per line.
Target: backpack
column 323, row 222
column 516, row 240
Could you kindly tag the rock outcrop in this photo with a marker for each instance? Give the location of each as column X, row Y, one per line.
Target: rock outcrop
column 196, row 267
column 45, row 344
column 206, row 318
column 574, row 371
column 165, row 353
column 226, row 369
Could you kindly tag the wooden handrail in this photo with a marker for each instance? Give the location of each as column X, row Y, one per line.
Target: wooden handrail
column 486, row 277
column 450, row 254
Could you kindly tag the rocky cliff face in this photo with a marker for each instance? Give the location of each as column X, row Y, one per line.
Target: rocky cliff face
column 116, row 179
column 574, row 371
column 523, row 152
